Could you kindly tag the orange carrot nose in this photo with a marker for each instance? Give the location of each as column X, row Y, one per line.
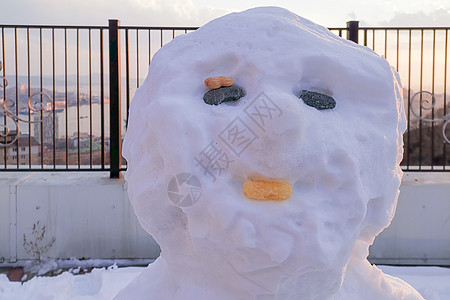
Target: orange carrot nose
column 267, row 190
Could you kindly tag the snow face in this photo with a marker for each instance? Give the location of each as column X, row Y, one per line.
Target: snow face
column 188, row 162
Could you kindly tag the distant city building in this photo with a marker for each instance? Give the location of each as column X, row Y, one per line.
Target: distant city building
column 49, row 135
column 25, row 150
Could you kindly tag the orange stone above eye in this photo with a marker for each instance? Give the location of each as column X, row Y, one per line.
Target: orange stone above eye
column 267, row 190
column 217, row 82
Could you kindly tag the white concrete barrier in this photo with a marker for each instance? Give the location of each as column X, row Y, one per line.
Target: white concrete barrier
column 420, row 231
column 89, row 216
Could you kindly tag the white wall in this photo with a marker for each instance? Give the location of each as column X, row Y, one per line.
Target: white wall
column 87, row 213
column 420, row 230
column 89, row 216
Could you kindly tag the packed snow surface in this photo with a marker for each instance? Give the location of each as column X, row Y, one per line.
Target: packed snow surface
column 188, row 162
column 104, row 283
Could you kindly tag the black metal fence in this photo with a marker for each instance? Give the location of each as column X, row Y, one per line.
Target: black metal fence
column 66, row 106
column 56, row 100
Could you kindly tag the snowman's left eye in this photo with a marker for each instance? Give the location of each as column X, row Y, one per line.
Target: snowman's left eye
column 317, row 100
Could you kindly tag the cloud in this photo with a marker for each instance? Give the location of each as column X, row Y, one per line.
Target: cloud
column 153, row 4
column 351, row 16
column 437, row 18
column 198, row 12
column 97, row 12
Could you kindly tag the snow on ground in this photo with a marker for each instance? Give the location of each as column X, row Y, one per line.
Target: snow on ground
column 100, row 284
column 104, row 283
column 432, row 282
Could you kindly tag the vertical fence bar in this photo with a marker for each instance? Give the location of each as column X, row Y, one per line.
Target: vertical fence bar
column 137, row 64
column 365, row 37
column 127, row 67
column 408, row 132
column 41, row 90
column 352, row 31
column 421, row 111
column 102, row 102
column 432, row 91
column 373, row 39
column 445, row 93
column 66, row 110
column 385, row 43
column 78, row 100
column 17, row 92
column 149, row 47
column 127, row 72
column 114, row 109
column 54, row 100
column 29, row 94
column 91, row 150
column 4, row 93
column 398, row 50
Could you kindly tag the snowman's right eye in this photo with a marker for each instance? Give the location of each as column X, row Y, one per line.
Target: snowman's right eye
column 317, row 100
column 223, row 94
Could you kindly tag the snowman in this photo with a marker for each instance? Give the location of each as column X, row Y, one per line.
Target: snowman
column 263, row 156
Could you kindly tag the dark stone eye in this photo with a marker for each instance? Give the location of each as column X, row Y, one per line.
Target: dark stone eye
column 317, row 100
column 223, row 94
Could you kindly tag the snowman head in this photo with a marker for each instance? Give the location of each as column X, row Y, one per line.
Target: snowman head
column 188, row 161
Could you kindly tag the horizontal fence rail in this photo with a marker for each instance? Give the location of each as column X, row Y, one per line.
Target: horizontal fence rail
column 66, row 90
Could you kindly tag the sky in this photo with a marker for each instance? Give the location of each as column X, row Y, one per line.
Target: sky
column 330, row 13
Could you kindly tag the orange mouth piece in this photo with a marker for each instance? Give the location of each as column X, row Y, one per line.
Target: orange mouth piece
column 267, row 190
